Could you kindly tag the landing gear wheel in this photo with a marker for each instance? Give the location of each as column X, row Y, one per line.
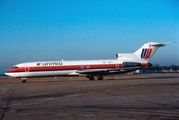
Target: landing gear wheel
column 91, row 77
column 23, row 80
column 100, row 78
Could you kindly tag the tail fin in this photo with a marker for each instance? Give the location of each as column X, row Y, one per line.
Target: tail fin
column 148, row 49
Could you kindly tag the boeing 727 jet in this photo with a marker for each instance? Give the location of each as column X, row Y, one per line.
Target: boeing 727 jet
column 124, row 62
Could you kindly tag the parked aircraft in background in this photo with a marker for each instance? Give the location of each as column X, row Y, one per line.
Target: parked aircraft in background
column 125, row 62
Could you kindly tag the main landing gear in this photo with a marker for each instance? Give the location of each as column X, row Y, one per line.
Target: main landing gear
column 92, row 77
column 23, row 80
column 100, row 77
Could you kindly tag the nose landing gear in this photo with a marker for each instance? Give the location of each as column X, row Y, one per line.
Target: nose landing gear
column 23, row 80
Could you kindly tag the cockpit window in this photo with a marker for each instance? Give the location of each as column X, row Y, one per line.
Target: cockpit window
column 15, row 67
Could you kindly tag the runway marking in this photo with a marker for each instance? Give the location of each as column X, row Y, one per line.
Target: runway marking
column 46, row 99
column 16, row 104
column 37, row 94
column 74, row 95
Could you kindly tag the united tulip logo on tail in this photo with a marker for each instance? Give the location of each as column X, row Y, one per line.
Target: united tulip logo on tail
column 146, row 52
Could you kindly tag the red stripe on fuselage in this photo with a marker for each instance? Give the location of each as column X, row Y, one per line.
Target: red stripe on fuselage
column 64, row 67
column 69, row 67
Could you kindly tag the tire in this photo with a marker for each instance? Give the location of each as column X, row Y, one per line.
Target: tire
column 91, row 77
column 100, row 78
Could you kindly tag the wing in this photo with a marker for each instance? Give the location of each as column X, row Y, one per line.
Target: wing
column 107, row 71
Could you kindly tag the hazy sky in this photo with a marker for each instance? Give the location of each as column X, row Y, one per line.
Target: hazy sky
column 37, row 30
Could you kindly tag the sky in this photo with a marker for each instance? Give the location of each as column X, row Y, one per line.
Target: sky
column 50, row 30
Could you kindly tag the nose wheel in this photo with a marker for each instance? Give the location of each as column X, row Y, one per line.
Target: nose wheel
column 23, row 80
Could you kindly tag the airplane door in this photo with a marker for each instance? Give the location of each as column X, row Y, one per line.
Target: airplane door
column 87, row 66
column 81, row 66
column 117, row 65
column 26, row 68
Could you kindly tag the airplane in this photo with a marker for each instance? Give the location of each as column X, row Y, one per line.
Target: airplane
column 124, row 63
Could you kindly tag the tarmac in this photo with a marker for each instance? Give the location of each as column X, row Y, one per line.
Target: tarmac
column 128, row 97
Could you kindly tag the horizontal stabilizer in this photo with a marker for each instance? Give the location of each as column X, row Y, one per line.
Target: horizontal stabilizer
column 159, row 44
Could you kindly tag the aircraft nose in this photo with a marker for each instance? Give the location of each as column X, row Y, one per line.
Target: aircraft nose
column 8, row 72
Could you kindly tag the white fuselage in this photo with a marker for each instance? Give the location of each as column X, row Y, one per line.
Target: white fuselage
column 60, row 68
